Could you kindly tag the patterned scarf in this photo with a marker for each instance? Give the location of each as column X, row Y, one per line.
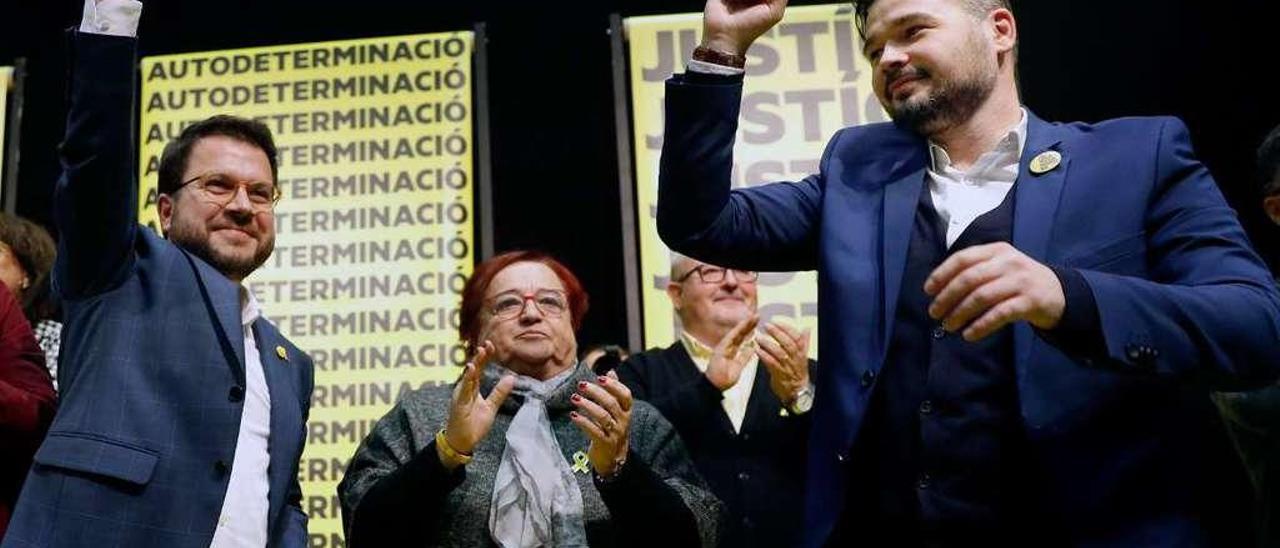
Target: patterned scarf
column 536, row 500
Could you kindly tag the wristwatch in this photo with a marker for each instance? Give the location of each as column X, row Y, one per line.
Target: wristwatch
column 802, row 401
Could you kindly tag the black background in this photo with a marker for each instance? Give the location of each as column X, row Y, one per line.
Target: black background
column 551, row 95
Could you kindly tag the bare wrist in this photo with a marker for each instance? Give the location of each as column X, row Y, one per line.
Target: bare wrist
column 725, row 44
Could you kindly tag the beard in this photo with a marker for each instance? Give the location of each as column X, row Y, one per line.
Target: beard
column 230, row 264
column 948, row 102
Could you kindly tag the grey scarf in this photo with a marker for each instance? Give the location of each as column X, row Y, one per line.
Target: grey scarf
column 536, row 500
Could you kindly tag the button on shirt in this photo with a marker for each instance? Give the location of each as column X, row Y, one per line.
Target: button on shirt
column 736, row 397
column 243, row 521
column 959, row 197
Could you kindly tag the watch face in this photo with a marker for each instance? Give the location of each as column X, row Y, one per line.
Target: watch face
column 804, row 402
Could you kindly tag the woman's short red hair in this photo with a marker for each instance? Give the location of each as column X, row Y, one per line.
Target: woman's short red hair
column 478, row 284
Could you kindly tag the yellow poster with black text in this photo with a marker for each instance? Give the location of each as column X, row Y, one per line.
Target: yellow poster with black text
column 375, row 226
column 6, row 80
column 805, row 80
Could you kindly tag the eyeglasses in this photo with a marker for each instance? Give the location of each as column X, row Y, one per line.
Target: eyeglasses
column 221, row 189
column 550, row 302
column 714, row 275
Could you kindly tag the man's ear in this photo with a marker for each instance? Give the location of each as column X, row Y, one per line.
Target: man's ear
column 1004, row 29
column 164, row 206
column 1271, row 204
column 676, row 295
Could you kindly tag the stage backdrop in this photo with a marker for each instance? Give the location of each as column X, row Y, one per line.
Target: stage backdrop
column 6, row 80
column 375, row 229
column 805, row 79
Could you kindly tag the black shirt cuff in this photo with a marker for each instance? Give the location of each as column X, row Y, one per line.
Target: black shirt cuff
column 1079, row 332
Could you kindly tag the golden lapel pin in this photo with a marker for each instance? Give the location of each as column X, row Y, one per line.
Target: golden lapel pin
column 1045, row 162
column 280, row 352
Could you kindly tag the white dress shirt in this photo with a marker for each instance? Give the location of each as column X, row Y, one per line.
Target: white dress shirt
column 959, row 196
column 243, row 521
column 736, row 397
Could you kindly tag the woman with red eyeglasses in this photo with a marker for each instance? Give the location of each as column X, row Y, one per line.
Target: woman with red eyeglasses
column 529, row 447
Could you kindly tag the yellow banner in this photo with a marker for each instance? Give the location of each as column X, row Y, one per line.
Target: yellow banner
column 6, row 80
column 375, row 230
column 806, row 79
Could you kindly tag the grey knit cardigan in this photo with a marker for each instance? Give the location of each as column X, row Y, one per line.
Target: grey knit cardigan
column 396, row 492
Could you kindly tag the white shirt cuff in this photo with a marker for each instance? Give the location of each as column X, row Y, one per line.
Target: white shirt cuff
column 111, row 17
column 704, row 67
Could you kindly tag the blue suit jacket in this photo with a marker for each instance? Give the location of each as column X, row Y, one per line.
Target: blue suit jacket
column 1127, row 449
column 140, row 451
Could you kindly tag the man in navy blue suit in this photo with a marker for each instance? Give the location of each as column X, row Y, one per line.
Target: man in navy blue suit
column 183, row 409
column 1021, row 320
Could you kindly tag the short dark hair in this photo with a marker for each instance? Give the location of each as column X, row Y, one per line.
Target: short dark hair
column 34, row 249
column 173, row 161
column 977, row 7
column 1269, row 163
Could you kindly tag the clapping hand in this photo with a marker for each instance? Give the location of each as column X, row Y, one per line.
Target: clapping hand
column 471, row 416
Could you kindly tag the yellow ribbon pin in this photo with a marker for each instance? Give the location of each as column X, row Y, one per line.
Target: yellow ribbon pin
column 1046, row 162
column 280, row 352
column 580, row 462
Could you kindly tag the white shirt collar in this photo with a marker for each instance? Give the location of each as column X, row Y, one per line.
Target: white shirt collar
column 1007, row 151
column 250, row 310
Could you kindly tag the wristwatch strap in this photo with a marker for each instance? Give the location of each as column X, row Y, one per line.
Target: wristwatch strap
column 708, row 55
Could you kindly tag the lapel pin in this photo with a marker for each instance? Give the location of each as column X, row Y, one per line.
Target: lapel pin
column 580, row 462
column 1045, row 162
column 280, row 352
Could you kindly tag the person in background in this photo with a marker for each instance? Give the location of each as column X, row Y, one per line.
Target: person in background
column 26, row 259
column 1254, row 417
column 603, row 358
column 1269, row 174
column 26, row 401
column 746, row 426
column 530, row 447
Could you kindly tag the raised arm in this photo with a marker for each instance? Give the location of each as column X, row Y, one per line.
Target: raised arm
column 771, row 227
column 95, row 201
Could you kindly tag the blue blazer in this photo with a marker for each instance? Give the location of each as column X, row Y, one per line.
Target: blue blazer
column 140, row 451
column 1127, row 447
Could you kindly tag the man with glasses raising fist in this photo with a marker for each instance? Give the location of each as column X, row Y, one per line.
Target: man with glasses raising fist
column 744, row 425
column 183, row 409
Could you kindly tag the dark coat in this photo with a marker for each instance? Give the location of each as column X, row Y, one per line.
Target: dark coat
column 758, row 472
